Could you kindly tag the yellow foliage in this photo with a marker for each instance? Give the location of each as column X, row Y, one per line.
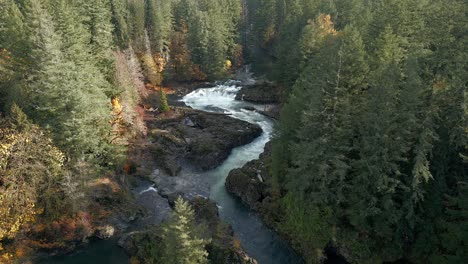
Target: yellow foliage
column 134, row 260
column 439, row 85
column 160, row 63
column 228, row 64
column 14, row 211
column 236, row 244
column 105, row 182
column 326, row 24
column 152, row 69
column 116, row 105
column 6, row 258
column 26, row 157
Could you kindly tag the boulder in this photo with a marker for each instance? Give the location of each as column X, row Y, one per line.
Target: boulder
column 247, row 184
column 188, row 122
column 272, row 111
column 249, row 108
column 250, row 183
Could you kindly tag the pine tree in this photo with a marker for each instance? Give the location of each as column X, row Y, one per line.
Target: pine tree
column 14, row 53
column 182, row 245
column 120, row 15
column 64, row 86
column 102, row 36
column 137, row 24
column 455, row 235
column 160, row 22
column 164, row 107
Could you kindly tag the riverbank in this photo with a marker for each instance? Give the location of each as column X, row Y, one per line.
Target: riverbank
column 252, row 185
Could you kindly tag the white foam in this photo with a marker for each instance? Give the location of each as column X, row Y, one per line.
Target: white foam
column 150, row 189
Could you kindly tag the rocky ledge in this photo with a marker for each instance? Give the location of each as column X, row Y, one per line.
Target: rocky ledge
column 201, row 139
column 261, row 93
column 252, row 185
column 249, row 183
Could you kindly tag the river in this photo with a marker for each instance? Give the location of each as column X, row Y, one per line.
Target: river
column 258, row 241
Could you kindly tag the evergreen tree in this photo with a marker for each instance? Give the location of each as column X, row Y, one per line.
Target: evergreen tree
column 101, row 29
column 14, row 53
column 159, row 13
column 182, row 245
column 62, row 89
column 137, row 24
column 120, row 15
column 164, row 105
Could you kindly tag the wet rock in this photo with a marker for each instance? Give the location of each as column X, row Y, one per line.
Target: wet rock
column 172, row 198
column 220, row 134
column 188, row 122
column 202, row 139
column 272, row 111
column 226, row 255
column 249, row 108
column 262, row 93
column 249, row 183
column 206, row 212
column 155, row 206
column 104, row 232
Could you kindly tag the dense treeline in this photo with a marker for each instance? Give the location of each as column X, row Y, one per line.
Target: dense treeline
column 370, row 156
column 72, row 76
column 371, row 153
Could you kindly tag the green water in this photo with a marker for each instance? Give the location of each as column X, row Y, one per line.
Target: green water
column 99, row 252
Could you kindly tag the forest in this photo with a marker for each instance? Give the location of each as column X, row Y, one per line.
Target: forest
column 372, row 146
column 369, row 154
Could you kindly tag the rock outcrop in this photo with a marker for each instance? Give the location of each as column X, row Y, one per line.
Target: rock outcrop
column 203, row 140
column 249, row 182
column 261, row 93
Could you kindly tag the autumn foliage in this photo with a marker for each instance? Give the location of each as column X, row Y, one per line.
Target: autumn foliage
column 30, row 171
